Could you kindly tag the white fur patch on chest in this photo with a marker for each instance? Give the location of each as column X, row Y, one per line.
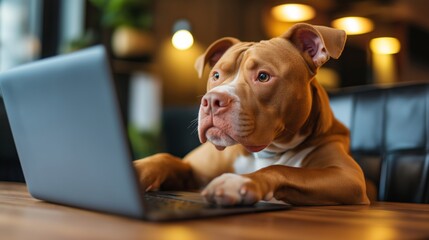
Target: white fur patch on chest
column 251, row 163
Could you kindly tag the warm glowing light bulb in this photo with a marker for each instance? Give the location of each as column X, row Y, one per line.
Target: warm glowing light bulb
column 182, row 39
column 385, row 45
column 293, row 12
column 353, row 25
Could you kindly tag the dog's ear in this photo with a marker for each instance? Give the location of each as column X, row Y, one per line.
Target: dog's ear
column 316, row 43
column 213, row 53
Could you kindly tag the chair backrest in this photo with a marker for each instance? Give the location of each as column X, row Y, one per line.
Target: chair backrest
column 389, row 137
column 179, row 127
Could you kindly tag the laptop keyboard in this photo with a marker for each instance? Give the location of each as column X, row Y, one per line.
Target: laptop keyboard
column 163, row 206
column 162, row 202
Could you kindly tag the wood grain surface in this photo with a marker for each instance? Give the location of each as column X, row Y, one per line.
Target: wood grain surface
column 23, row 217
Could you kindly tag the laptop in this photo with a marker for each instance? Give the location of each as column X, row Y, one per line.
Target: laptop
column 72, row 143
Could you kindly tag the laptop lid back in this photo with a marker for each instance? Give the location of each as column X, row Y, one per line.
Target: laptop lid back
column 67, row 127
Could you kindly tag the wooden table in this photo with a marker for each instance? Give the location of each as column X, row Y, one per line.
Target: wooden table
column 22, row 217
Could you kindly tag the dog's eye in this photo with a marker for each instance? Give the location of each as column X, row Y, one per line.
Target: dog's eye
column 215, row 76
column 263, row 77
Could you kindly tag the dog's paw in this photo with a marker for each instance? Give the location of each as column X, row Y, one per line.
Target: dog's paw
column 232, row 189
column 163, row 171
column 149, row 175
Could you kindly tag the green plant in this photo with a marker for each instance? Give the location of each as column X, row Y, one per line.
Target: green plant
column 143, row 143
column 132, row 13
column 83, row 41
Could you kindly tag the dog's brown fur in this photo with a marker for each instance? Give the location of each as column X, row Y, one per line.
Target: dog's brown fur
column 289, row 114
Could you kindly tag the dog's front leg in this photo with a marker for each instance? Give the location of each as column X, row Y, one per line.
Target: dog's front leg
column 298, row 186
column 195, row 170
column 330, row 176
column 303, row 186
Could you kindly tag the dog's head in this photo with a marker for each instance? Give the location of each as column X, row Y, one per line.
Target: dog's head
column 259, row 91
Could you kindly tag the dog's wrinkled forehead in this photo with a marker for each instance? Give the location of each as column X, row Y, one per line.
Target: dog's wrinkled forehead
column 233, row 57
column 275, row 51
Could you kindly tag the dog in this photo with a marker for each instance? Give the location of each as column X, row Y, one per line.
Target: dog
column 266, row 127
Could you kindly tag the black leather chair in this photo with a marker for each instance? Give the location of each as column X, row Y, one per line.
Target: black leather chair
column 389, row 137
column 180, row 134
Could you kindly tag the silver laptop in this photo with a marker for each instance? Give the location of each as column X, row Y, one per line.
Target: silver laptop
column 72, row 143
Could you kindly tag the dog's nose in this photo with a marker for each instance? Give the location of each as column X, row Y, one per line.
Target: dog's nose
column 216, row 102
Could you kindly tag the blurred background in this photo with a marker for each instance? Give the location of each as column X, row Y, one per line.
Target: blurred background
column 138, row 34
column 153, row 43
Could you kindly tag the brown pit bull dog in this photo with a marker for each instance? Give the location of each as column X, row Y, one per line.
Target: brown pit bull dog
column 272, row 131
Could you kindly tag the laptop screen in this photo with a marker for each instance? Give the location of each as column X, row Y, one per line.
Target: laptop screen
column 70, row 138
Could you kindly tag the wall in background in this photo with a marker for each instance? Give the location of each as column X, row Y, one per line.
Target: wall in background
column 210, row 20
column 250, row 21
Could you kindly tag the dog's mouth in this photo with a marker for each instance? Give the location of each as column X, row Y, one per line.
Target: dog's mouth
column 221, row 139
column 229, row 128
column 218, row 137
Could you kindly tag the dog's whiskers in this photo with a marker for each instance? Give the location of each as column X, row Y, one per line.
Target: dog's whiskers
column 194, row 125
